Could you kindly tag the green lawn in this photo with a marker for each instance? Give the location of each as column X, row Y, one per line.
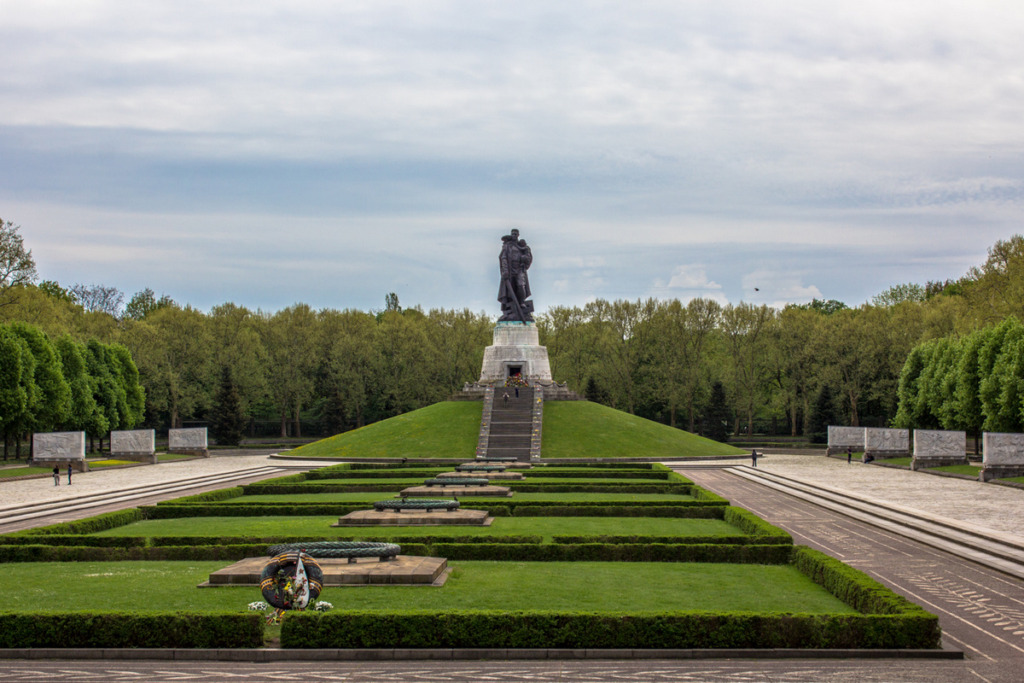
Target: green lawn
column 447, row 429
column 170, row 457
column 313, row 525
column 111, row 463
column 12, row 472
column 904, row 462
column 371, row 496
column 635, row 588
column 969, row 470
column 581, row 429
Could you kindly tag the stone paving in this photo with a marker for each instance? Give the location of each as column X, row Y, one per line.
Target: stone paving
column 1000, row 508
column 20, row 491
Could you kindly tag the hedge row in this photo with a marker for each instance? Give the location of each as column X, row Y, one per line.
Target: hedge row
column 89, row 525
column 422, row 473
column 208, row 497
column 601, row 474
column 687, row 509
column 274, row 540
column 682, row 540
column 523, row 486
column 72, row 540
column 756, row 527
column 855, row 588
column 498, row 552
column 591, row 630
column 119, row 629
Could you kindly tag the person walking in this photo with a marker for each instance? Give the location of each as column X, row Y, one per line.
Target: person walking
column 56, row 475
column 753, row 457
column 849, row 455
column 505, row 399
column 69, row 474
column 517, row 391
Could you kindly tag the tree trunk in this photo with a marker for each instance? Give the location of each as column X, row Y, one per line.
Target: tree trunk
column 284, row 424
column 750, row 420
column 672, row 416
column 854, row 417
column 17, row 446
column 298, row 422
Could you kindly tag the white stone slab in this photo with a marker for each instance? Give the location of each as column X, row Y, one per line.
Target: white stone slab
column 883, row 440
column 937, row 443
column 186, row 439
column 1001, row 449
column 134, row 441
column 58, row 446
column 841, row 437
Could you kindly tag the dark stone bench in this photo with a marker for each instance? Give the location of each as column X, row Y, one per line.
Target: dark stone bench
column 426, row 504
column 456, row 481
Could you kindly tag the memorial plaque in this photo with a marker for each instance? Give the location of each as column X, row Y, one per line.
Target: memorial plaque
column 841, row 438
column 58, row 446
column 191, row 440
column 883, row 441
column 938, row 448
column 1002, row 455
column 134, row 442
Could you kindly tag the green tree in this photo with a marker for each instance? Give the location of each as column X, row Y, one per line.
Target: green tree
column 54, row 394
column 290, row 337
column 746, row 330
column 17, row 267
column 145, row 302
column 15, row 370
column 718, row 415
column 823, row 413
column 82, row 407
column 227, row 419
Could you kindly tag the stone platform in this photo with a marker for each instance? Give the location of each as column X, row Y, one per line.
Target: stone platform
column 514, row 465
column 450, row 491
column 508, row 476
column 406, row 570
column 415, row 518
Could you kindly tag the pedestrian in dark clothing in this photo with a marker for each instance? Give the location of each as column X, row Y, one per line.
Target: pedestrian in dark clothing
column 753, row 456
column 517, row 391
column 849, row 455
column 56, row 475
column 69, row 474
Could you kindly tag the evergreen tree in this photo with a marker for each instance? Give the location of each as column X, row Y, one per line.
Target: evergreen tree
column 718, row 415
column 597, row 393
column 227, row 419
column 822, row 414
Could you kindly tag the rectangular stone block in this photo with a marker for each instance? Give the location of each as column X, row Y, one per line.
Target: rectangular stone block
column 58, row 446
column 134, row 442
column 841, row 438
column 937, row 443
column 883, row 441
column 193, row 439
column 1002, row 449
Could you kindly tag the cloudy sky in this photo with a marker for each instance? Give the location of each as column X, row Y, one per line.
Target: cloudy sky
column 332, row 151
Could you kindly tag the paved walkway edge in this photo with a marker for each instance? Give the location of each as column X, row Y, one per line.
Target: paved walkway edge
column 373, row 655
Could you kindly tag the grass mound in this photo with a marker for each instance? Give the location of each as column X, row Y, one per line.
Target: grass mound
column 444, row 430
column 572, row 429
column 581, row 429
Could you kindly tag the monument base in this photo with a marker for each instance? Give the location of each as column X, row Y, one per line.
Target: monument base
column 147, row 458
column 198, row 452
column 991, row 472
column 878, row 455
column 516, row 351
column 415, row 518
column 938, row 461
column 76, row 464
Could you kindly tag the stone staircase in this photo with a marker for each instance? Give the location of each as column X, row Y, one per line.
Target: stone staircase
column 511, row 426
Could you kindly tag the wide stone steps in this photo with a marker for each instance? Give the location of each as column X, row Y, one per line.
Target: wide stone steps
column 511, row 425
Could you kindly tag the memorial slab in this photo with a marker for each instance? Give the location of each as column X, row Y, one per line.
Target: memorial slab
column 135, row 444
column 515, row 350
column 938, row 448
column 59, row 448
column 190, row 441
column 841, row 438
column 1002, row 456
column 880, row 442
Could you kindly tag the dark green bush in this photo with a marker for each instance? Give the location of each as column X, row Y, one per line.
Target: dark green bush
column 208, row 497
column 89, row 525
column 593, row 631
column 686, row 509
column 115, row 629
column 69, row 540
column 751, row 524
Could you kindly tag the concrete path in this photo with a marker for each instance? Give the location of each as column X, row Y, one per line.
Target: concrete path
column 981, row 609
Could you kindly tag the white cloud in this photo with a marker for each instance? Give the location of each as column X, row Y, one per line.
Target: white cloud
column 691, row 277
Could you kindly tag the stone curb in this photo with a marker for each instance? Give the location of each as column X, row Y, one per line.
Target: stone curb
column 464, row 654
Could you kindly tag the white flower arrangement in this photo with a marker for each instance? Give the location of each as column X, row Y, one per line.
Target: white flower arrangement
column 322, row 606
column 258, row 606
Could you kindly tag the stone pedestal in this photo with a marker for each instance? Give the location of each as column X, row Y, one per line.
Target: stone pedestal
column 516, row 350
column 938, row 448
column 841, row 438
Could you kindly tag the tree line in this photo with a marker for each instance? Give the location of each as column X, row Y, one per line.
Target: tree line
column 64, row 385
column 696, row 365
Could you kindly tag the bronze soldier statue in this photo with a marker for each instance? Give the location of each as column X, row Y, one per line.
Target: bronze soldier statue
column 514, row 290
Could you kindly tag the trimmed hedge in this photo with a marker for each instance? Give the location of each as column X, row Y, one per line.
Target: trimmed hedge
column 119, row 629
column 681, row 510
column 476, row 550
column 69, row 540
column 678, row 540
column 208, row 497
column 583, row 473
column 262, row 489
column 89, row 525
column 756, row 527
column 592, row 630
column 275, row 540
